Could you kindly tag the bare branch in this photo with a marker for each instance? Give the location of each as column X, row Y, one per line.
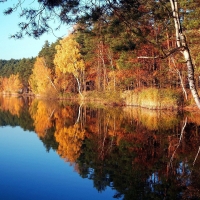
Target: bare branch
column 175, row 50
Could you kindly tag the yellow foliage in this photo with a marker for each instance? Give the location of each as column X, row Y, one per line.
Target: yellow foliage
column 70, row 141
column 153, row 119
column 41, row 114
column 68, row 58
column 11, row 104
column 12, row 84
column 40, row 80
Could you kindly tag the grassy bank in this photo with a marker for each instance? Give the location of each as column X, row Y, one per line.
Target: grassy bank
column 153, row 98
column 106, row 98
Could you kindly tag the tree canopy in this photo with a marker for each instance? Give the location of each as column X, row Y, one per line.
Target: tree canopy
column 135, row 14
column 123, row 42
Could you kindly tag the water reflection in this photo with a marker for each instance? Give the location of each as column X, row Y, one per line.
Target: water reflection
column 142, row 154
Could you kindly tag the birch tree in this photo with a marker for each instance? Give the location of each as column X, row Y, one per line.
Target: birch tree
column 68, row 59
column 182, row 46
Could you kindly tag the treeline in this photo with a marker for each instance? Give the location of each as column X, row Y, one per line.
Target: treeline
column 23, row 67
column 108, row 55
column 15, row 73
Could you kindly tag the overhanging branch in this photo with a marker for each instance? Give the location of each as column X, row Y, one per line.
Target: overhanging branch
column 175, row 50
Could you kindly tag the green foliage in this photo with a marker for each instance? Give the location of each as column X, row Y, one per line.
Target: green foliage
column 7, row 67
column 49, row 140
column 122, row 62
column 190, row 12
column 48, row 52
column 23, row 67
column 23, row 120
column 87, row 42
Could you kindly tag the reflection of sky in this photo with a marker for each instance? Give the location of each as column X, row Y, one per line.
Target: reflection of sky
column 28, row 172
column 153, row 180
column 183, row 173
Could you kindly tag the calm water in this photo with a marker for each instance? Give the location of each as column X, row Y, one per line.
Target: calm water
column 57, row 150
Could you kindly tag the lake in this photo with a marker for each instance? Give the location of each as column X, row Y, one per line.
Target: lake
column 61, row 150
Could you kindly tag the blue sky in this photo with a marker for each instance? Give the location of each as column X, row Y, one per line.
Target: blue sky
column 23, row 48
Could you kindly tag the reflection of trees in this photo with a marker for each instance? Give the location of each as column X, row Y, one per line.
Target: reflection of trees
column 14, row 112
column 70, row 140
column 41, row 112
column 136, row 162
column 153, row 119
column 128, row 151
column 49, row 140
column 11, row 104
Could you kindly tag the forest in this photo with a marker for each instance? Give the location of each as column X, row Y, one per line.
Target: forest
column 130, row 55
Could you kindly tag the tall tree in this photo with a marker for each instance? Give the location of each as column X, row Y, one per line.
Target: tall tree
column 40, row 80
column 48, row 52
column 69, row 60
column 182, row 46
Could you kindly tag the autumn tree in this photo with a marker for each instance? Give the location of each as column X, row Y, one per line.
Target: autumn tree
column 22, row 67
column 12, row 84
column 69, row 60
column 40, row 80
column 65, row 83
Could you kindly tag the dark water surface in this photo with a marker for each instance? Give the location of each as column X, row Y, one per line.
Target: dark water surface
column 57, row 150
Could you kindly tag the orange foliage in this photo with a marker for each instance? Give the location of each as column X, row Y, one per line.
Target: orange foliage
column 11, row 104
column 11, row 84
column 70, row 141
column 41, row 113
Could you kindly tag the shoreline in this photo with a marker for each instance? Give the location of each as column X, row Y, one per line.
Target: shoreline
column 104, row 102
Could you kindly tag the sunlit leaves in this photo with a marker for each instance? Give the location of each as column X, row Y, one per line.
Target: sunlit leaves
column 40, row 80
column 68, row 58
column 12, row 84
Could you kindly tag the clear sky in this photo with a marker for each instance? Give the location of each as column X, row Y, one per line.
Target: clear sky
column 23, row 48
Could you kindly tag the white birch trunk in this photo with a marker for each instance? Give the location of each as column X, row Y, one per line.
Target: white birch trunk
column 181, row 42
column 79, row 86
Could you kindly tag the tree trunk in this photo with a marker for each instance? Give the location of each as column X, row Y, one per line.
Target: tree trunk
column 112, row 65
column 79, row 86
column 180, row 77
column 181, row 42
